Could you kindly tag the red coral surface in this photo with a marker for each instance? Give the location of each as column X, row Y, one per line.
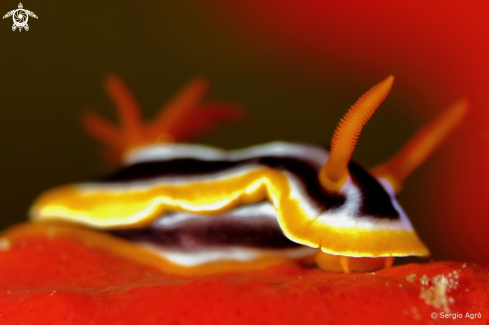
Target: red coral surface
column 63, row 281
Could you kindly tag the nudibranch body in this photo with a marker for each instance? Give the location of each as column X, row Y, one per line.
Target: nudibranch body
column 194, row 205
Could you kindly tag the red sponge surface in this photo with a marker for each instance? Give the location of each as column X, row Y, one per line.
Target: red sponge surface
column 63, row 281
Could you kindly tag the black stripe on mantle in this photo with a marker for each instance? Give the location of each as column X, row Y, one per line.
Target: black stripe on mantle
column 209, row 231
column 375, row 200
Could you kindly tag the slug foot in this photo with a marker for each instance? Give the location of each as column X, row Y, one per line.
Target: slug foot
column 348, row 264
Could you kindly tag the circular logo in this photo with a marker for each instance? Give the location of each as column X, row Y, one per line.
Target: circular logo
column 434, row 315
column 20, row 17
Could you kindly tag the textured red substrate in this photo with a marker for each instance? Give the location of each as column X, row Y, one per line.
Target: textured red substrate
column 60, row 281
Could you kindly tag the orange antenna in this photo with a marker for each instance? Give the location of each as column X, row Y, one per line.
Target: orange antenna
column 127, row 108
column 185, row 102
column 335, row 172
column 421, row 146
column 102, row 130
column 183, row 118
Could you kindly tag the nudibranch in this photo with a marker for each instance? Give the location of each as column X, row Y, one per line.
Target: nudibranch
column 198, row 209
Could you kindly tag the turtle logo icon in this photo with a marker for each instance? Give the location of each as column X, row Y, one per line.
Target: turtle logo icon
column 20, row 17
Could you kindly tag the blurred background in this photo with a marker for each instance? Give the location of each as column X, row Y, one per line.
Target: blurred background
column 294, row 66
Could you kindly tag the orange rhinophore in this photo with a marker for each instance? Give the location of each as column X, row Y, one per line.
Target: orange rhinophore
column 421, row 146
column 198, row 209
column 335, row 172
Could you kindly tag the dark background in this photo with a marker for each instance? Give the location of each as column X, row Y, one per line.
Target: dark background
column 290, row 90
